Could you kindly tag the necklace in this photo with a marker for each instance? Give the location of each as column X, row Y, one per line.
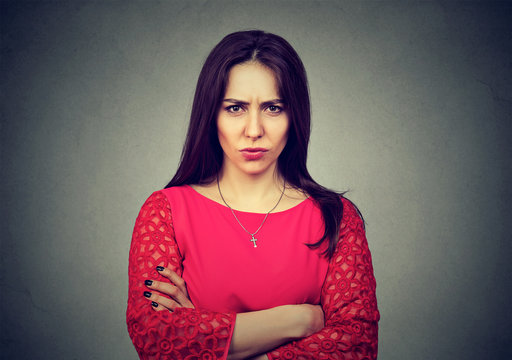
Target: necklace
column 253, row 239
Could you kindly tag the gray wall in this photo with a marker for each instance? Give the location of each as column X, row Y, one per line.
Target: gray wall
column 411, row 110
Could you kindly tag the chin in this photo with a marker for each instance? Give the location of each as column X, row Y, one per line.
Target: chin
column 255, row 169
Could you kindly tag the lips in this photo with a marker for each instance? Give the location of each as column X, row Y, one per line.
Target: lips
column 253, row 153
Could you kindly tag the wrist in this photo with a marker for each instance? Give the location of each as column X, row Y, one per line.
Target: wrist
column 308, row 320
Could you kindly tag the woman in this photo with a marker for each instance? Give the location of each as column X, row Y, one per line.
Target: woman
column 243, row 254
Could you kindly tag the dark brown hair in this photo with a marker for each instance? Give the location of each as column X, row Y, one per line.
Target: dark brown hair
column 202, row 155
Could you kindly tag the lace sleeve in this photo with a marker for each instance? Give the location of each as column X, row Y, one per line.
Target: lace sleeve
column 348, row 302
column 185, row 333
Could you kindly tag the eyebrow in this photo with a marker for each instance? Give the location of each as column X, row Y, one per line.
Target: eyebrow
column 265, row 103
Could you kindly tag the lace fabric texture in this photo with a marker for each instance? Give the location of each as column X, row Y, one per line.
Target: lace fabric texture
column 348, row 299
column 185, row 333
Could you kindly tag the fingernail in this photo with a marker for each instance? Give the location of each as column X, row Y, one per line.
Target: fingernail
column 159, row 268
column 154, row 304
column 147, row 294
column 148, row 282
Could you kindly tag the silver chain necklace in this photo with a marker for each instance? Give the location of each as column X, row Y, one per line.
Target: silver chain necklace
column 253, row 239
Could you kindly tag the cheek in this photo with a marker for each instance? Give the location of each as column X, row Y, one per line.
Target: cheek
column 285, row 132
column 226, row 135
column 224, row 143
column 221, row 129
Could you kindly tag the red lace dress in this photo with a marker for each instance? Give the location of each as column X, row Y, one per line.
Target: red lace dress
column 225, row 274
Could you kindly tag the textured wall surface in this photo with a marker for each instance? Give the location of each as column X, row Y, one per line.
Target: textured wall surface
column 411, row 112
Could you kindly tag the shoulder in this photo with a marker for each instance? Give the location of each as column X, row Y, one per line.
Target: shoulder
column 175, row 190
column 163, row 205
column 163, row 198
column 173, row 194
column 156, row 199
column 352, row 217
column 156, row 205
column 349, row 208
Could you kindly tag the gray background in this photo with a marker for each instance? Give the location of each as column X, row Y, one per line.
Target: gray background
column 411, row 112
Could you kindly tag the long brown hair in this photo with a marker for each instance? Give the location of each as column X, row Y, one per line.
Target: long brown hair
column 202, row 155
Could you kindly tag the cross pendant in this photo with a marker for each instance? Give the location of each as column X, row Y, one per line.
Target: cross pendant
column 254, row 241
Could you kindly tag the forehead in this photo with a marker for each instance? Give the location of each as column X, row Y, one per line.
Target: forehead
column 249, row 79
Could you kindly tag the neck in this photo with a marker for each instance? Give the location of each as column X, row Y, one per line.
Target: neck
column 255, row 193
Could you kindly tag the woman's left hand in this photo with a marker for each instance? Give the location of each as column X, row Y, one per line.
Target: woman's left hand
column 178, row 292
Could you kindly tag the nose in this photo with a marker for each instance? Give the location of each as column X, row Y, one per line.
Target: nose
column 254, row 127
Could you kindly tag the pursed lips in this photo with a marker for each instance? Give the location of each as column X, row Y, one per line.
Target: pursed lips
column 255, row 149
column 253, row 153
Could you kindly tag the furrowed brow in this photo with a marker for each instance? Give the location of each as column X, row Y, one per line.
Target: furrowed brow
column 272, row 102
column 235, row 101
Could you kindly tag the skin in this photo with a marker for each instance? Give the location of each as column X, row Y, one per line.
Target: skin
column 252, row 115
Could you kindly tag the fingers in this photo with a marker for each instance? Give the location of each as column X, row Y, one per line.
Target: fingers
column 177, row 291
column 174, row 278
column 173, row 291
column 159, row 302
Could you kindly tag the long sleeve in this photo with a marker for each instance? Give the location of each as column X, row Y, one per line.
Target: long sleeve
column 348, row 301
column 186, row 333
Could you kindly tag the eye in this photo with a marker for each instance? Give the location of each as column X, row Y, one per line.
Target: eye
column 274, row 109
column 234, row 109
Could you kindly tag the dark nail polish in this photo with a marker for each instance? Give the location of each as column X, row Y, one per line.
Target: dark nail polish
column 147, row 294
column 148, row 282
column 154, row 304
column 159, row 268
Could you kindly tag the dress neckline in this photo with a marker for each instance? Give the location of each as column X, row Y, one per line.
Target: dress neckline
column 306, row 200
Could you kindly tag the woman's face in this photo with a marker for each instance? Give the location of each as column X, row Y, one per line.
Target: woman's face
column 252, row 122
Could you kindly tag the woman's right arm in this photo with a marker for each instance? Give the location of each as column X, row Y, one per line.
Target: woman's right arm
column 165, row 334
column 187, row 331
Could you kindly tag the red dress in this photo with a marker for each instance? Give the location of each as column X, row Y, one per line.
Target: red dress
column 225, row 274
